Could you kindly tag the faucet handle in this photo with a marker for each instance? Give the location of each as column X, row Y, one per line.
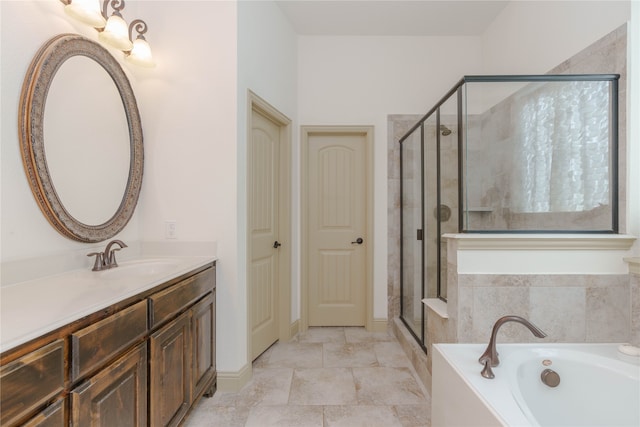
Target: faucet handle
column 112, row 258
column 99, row 263
column 487, row 372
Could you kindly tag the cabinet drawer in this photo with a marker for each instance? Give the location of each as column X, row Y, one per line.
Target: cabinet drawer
column 53, row 416
column 31, row 381
column 165, row 304
column 95, row 345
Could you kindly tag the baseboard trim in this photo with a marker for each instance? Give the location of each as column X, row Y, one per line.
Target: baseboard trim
column 234, row 381
column 379, row 325
column 294, row 328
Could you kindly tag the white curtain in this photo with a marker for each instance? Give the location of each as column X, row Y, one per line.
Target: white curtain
column 561, row 148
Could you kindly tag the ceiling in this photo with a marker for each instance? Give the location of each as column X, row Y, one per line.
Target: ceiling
column 391, row 17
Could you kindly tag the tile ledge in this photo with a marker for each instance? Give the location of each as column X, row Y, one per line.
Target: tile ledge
column 438, row 306
column 541, row 241
column 634, row 265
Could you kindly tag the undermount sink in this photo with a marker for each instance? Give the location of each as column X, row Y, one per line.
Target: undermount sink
column 140, row 268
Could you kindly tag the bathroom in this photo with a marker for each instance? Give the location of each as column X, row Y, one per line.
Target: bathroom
column 193, row 108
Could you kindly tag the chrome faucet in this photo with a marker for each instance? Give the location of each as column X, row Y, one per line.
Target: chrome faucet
column 107, row 259
column 490, row 356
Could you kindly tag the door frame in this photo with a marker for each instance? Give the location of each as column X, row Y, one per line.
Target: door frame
column 255, row 102
column 307, row 131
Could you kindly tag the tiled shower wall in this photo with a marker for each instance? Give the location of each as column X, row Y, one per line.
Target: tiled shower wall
column 490, row 149
column 634, row 284
column 577, row 307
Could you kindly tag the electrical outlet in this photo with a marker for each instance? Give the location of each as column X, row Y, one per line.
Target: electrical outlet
column 170, row 230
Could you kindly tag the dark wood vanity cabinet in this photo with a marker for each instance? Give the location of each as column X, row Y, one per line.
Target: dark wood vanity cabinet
column 182, row 353
column 142, row 362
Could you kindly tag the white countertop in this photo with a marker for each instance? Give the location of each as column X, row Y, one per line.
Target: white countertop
column 32, row 308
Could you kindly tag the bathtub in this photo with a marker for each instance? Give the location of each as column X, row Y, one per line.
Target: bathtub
column 599, row 386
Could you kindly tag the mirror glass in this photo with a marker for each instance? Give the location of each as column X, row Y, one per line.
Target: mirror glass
column 86, row 140
column 81, row 138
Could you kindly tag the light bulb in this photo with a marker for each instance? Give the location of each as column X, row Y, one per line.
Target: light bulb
column 141, row 53
column 116, row 33
column 87, row 11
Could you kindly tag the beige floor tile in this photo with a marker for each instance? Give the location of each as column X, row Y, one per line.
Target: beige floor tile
column 322, row 335
column 267, row 387
column 262, row 360
column 227, row 416
column 387, row 386
column 349, row 355
column 326, row 377
column 295, row 355
column 222, row 398
column 354, row 335
column 391, row 354
column 414, row 415
column 360, row 416
column 285, row 416
column 323, row 386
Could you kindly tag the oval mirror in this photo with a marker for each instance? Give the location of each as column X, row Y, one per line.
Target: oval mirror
column 81, row 138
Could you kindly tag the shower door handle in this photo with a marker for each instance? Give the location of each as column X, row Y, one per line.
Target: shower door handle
column 358, row 241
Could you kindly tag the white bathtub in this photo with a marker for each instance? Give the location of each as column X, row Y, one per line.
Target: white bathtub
column 598, row 386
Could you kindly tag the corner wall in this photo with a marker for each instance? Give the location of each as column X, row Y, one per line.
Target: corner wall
column 189, row 104
column 267, row 65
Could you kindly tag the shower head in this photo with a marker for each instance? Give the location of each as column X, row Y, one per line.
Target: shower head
column 445, row 130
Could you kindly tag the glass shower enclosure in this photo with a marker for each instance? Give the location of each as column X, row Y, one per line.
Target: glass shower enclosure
column 504, row 154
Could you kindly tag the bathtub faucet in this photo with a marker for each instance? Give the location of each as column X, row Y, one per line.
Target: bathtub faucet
column 490, row 356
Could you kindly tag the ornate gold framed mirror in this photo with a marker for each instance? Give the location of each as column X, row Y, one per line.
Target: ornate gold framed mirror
column 81, row 138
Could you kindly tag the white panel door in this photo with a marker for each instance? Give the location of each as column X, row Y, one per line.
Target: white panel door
column 337, row 225
column 263, row 229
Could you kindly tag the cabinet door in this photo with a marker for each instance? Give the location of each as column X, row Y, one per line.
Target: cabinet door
column 170, row 371
column 204, row 344
column 115, row 396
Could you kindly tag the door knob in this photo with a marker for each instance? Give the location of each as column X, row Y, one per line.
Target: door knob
column 358, row 241
column 276, row 244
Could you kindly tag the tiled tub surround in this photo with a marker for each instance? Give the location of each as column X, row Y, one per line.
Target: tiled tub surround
column 593, row 308
column 608, row 55
column 634, row 285
column 569, row 308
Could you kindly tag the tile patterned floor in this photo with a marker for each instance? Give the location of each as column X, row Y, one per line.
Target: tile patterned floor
column 325, row 377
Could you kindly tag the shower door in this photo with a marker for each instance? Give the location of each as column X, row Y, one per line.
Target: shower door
column 411, row 290
column 429, row 158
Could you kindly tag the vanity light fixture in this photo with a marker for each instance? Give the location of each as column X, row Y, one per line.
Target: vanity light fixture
column 115, row 32
column 87, row 11
column 140, row 53
column 113, row 29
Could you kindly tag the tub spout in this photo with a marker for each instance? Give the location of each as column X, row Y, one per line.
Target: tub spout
column 490, row 356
